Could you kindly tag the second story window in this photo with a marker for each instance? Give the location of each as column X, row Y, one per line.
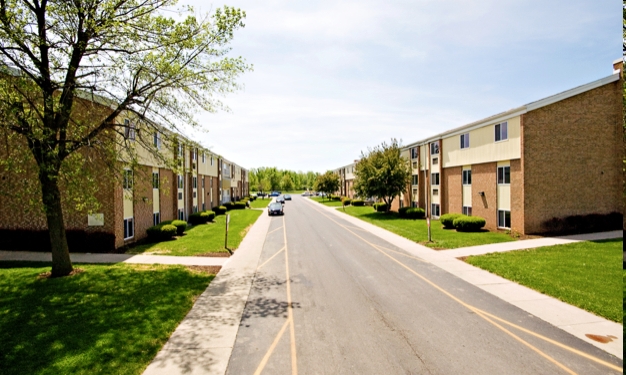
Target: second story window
column 502, row 131
column 434, row 148
column 127, row 182
column 504, row 175
column 129, row 130
column 414, row 179
column 180, row 150
column 194, row 154
column 434, row 181
column 203, row 158
column 155, row 180
column 414, row 153
column 467, row 177
column 465, row 140
column 180, row 182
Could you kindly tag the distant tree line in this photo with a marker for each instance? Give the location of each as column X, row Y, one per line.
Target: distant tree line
column 273, row 179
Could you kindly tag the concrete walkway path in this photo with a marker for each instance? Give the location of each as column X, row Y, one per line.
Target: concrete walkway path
column 116, row 258
column 571, row 319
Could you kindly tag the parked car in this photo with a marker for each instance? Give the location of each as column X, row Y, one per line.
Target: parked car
column 274, row 193
column 287, row 197
column 275, row 209
column 306, row 194
column 280, row 199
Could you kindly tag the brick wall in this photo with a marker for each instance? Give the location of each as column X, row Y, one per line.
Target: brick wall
column 168, row 195
column 517, row 197
column 484, row 179
column 452, row 190
column 572, row 152
column 142, row 201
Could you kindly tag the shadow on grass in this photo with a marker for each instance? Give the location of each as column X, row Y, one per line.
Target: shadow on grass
column 110, row 319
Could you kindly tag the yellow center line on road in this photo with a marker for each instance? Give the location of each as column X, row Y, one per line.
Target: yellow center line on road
column 401, row 253
column 294, row 361
column 272, row 257
column 273, row 230
column 269, row 352
column 483, row 314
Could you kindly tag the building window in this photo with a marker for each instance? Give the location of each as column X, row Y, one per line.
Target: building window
column 434, row 210
column 467, row 177
column 157, row 140
column 156, row 218
column 435, row 191
column 502, row 131
column 211, row 159
column 211, row 182
column 202, row 179
column 504, row 219
column 414, row 153
column 203, row 208
column 180, row 195
column 414, row 204
column 180, row 150
column 203, row 158
column 194, row 194
column 194, row 154
column 434, row 148
column 181, row 214
column 465, row 140
column 435, row 161
column 129, row 130
column 414, row 192
column 434, row 179
column 180, row 182
column 127, row 182
column 504, row 175
column 129, row 228
column 195, row 209
column 414, row 179
column 195, row 182
column 414, row 165
column 155, row 180
column 467, row 211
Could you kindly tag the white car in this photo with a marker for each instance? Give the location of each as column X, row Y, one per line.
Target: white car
column 306, row 194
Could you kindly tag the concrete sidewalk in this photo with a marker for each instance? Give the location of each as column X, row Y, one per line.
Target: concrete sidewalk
column 116, row 258
column 573, row 320
column 204, row 340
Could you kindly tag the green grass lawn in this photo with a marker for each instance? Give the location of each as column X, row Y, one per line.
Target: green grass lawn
column 583, row 274
column 325, row 201
column 417, row 230
column 260, row 202
column 204, row 238
column 110, row 319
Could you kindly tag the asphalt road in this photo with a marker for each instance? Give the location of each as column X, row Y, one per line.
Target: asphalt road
column 330, row 298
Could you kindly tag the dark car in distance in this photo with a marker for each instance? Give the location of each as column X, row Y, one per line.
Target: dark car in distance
column 275, row 209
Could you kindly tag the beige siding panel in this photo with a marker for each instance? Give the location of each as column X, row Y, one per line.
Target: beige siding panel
column 483, row 148
column 155, row 200
column 467, row 195
column 504, row 197
column 128, row 203
column 225, row 184
column 423, row 155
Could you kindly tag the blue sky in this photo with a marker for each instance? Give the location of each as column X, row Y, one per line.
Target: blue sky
column 332, row 78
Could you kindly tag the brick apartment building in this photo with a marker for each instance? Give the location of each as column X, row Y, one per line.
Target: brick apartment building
column 552, row 158
column 153, row 191
column 557, row 157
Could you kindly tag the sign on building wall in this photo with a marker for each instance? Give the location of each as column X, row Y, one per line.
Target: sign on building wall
column 95, row 220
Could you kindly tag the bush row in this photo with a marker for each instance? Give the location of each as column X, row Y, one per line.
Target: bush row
column 357, row 202
column 411, row 213
column 380, row 207
column 583, row 223
column 462, row 223
column 166, row 230
column 201, row 217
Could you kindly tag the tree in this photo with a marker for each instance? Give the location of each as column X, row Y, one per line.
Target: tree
column 264, row 185
column 125, row 54
column 286, row 183
column 327, row 183
column 382, row 173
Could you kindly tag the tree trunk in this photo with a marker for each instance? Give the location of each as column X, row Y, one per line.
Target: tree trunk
column 51, row 197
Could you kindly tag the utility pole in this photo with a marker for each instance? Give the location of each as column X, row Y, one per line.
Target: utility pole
column 428, row 190
column 226, row 237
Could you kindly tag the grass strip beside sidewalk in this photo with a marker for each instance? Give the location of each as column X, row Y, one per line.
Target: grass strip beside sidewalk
column 109, row 319
column 205, row 238
column 583, row 274
column 417, row 230
column 327, row 202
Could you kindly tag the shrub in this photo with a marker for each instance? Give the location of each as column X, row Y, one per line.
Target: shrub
column 448, row 220
column 357, row 202
column 161, row 232
column 411, row 213
column 346, row 201
column 380, row 207
column 209, row 215
column 239, row 206
column 402, row 212
column 196, row 218
column 469, row 223
column 334, row 198
column 229, row 205
column 583, row 223
column 219, row 210
column 415, row 213
column 181, row 226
